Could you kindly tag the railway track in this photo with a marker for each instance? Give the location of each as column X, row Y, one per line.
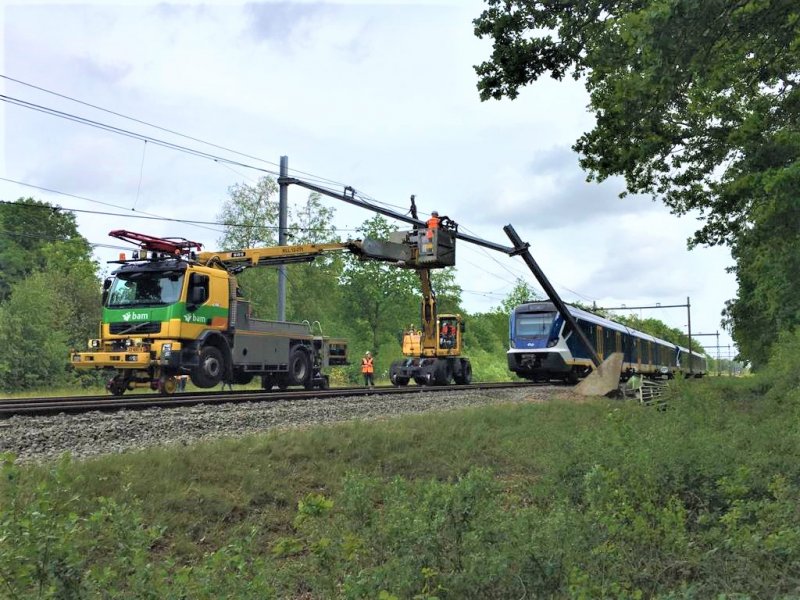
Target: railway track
column 82, row 404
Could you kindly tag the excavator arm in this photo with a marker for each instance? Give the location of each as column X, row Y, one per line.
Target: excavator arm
column 429, row 333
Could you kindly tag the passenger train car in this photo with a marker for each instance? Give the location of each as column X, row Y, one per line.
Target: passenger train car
column 542, row 347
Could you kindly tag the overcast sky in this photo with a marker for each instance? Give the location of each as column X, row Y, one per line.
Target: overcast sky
column 379, row 96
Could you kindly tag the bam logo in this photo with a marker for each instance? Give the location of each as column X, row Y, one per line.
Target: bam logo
column 128, row 316
column 193, row 318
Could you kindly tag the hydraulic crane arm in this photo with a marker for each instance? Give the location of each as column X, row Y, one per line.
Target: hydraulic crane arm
column 238, row 260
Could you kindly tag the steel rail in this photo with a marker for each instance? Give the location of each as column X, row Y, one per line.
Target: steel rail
column 77, row 404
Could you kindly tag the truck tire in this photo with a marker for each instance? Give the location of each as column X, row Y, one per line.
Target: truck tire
column 299, row 367
column 211, row 368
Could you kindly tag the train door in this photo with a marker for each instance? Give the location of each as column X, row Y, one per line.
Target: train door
column 599, row 341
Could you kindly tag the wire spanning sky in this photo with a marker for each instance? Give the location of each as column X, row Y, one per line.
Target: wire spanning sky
column 378, row 96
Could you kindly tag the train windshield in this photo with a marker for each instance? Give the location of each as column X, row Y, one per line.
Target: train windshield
column 145, row 288
column 534, row 324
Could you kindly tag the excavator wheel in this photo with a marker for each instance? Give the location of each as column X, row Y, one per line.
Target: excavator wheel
column 399, row 381
column 465, row 376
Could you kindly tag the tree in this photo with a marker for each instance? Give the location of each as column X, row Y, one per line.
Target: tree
column 313, row 291
column 32, row 231
column 523, row 292
column 697, row 101
column 34, row 322
column 250, row 215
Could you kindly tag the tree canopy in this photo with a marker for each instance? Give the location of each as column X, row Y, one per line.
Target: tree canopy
column 696, row 101
column 697, row 104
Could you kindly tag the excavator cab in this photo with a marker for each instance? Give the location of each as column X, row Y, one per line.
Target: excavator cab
column 450, row 328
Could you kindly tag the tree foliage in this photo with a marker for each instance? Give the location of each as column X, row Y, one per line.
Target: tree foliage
column 33, row 233
column 49, row 294
column 697, row 103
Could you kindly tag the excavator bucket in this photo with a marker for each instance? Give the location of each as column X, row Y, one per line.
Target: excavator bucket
column 604, row 379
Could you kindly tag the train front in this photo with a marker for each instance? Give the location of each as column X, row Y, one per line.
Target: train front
column 536, row 350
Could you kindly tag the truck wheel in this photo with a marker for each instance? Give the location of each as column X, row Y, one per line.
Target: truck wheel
column 299, row 367
column 209, row 372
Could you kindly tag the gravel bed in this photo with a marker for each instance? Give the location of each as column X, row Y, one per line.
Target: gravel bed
column 36, row 439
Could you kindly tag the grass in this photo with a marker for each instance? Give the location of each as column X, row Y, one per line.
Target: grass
column 600, row 498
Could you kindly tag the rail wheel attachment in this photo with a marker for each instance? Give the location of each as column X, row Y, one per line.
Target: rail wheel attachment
column 167, row 385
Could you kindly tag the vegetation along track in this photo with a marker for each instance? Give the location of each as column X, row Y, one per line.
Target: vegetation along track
column 38, row 438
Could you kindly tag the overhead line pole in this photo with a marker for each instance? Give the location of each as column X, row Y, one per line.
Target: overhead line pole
column 283, row 201
column 717, row 346
column 688, row 307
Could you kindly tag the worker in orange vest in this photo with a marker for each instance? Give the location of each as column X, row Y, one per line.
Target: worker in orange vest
column 367, row 369
column 432, row 224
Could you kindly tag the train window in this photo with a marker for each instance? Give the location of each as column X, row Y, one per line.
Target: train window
column 534, row 324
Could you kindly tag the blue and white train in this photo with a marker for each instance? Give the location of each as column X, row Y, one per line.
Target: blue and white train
column 542, row 347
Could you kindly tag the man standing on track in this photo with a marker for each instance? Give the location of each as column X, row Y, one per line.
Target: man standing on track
column 367, row 370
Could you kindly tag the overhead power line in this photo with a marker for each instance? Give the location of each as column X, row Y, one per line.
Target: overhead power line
column 166, row 129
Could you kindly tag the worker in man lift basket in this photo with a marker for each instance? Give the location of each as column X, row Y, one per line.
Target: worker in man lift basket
column 367, row 369
column 433, row 223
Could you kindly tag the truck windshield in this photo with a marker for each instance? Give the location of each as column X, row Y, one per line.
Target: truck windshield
column 145, row 288
column 534, row 324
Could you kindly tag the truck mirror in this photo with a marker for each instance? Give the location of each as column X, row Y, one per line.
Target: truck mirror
column 196, row 297
column 106, row 287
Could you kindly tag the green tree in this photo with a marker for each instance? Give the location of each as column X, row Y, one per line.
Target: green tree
column 767, row 271
column 30, row 232
column 697, row 103
column 313, row 291
column 250, row 215
column 521, row 293
column 34, row 322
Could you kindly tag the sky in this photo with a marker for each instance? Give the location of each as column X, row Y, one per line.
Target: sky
column 375, row 95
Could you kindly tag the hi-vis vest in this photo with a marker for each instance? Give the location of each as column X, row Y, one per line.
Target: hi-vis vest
column 366, row 365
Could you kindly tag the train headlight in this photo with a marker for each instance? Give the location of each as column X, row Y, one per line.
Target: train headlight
column 94, row 344
column 513, row 344
column 552, row 343
column 166, row 349
column 128, row 342
column 131, row 358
